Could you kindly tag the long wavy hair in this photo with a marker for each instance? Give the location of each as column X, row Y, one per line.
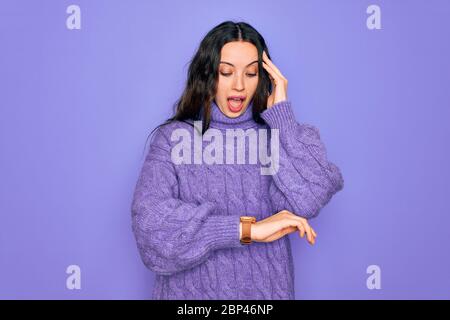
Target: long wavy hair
column 201, row 85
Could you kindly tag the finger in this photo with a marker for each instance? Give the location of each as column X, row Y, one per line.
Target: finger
column 308, row 229
column 272, row 74
column 303, row 220
column 272, row 65
column 281, row 233
column 289, row 222
column 308, row 232
column 285, row 231
column 299, row 227
column 311, row 235
column 302, row 230
column 289, row 230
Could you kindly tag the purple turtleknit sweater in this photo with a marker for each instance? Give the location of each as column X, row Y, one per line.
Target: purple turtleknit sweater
column 185, row 217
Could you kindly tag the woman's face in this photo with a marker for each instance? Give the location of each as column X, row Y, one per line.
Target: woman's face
column 238, row 77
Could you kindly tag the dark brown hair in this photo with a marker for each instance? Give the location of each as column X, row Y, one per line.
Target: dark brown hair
column 195, row 101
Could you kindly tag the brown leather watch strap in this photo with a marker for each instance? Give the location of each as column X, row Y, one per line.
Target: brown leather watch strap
column 247, row 222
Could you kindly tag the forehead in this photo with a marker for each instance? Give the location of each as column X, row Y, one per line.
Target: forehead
column 239, row 53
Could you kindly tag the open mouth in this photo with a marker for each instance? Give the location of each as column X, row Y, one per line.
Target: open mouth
column 236, row 103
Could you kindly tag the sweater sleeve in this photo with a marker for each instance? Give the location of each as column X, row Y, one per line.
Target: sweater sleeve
column 305, row 180
column 173, row 235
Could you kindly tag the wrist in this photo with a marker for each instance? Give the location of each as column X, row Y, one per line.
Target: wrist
column 245, row 227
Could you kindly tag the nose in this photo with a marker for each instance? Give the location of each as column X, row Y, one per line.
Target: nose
column 238, row 83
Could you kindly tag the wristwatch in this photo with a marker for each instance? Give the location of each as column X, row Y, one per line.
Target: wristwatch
column 247, row 221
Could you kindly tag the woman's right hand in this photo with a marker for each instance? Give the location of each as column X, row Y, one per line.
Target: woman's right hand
column 279, row 225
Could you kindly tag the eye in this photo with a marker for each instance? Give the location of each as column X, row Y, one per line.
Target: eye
column 251, row 75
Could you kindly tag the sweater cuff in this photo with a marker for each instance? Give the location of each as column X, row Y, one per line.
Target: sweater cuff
column 280, row 115
column 222, row 231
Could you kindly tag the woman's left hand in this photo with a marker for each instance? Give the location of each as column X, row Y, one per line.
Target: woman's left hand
column 279, row 82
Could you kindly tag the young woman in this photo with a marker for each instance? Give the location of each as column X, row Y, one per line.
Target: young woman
column 210, row 214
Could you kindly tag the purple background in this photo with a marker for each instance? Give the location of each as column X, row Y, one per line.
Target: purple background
column 77, row 106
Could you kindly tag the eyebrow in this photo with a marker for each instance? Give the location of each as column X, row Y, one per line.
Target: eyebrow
column 233, row 65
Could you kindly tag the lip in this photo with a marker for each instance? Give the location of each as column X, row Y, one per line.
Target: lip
column 237, row 97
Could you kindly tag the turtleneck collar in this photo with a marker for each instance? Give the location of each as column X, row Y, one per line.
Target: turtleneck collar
column 221, row 121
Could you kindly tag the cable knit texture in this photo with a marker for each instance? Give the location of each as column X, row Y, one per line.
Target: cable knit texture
column 185, row 217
